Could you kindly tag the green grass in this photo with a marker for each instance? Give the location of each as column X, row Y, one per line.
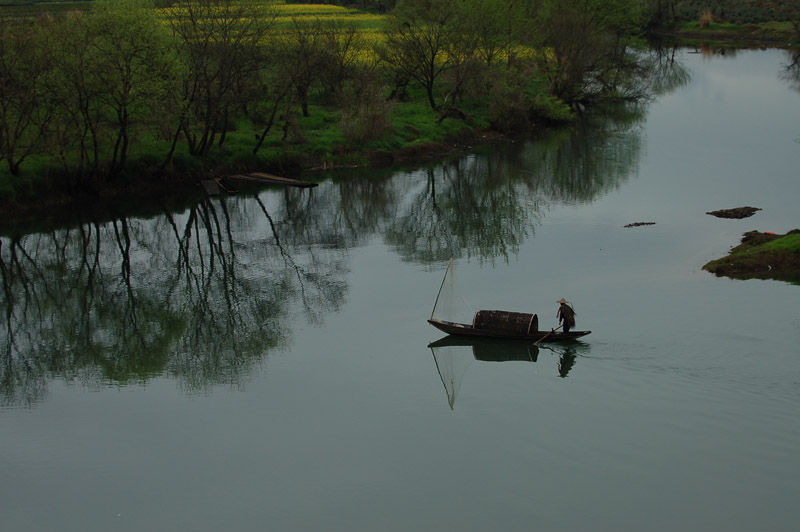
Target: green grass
column 766, row 31
column 790, row 243
column 712, row 27
column 33, row 9
column 762, row 256
column 33, row 177
column 730, row 27
column 316, row 140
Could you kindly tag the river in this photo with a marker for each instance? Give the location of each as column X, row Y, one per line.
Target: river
column 263, row 361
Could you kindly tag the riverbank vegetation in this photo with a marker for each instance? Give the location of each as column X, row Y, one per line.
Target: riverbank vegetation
column 100, row 96
column 762, row 256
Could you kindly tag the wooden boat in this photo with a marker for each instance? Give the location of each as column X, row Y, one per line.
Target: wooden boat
column 269, row 179
column 463, row 329
column 214, row 186
column 499, row 324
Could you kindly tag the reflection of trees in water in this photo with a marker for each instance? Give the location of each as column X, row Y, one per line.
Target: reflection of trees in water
column 583, row 162
column 345, row 215
column 204, row 294
column 201, row 295
column 791, row 71
column 460, row 208
column 667, row 74
column 485, row 206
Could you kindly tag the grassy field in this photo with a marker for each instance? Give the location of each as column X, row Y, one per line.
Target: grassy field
column 360, row 19
column 790, row 242
column 32, row 9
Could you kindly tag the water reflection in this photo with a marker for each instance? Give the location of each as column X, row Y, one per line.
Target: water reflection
column 486, row 206
column 205, row 291
column 667, row 73
column 462, row 210
column 201, row 296
column 567, row 356
column 791, row 71
column 453, row 355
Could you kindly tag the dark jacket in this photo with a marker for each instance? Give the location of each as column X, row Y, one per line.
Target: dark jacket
column 566, row 314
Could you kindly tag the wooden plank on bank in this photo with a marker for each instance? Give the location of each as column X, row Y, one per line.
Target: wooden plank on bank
column 262, row 177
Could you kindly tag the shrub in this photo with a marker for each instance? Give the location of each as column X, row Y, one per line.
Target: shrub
column 706, row 18
column 518, row 98
column 366, row 112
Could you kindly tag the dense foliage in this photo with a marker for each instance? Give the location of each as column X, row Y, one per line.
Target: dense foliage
column 115, row 87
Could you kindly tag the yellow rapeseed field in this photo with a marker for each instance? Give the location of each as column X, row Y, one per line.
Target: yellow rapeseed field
column 325, row 12
column 368, row 24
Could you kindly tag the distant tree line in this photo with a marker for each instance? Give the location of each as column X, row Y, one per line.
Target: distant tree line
column 666, row 13
column 80, row 89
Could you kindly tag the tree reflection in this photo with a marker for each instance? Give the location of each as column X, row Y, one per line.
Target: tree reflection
column 203, row 293
column 486, row 206
column 202, row 296
column 585, row 162
column 791, row 71
column 460, row 208
column 667, row 73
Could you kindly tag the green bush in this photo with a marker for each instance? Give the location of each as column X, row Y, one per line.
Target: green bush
column 366, row 113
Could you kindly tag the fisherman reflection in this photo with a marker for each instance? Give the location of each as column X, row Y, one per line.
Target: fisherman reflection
column 566, row 361
column 567, row 356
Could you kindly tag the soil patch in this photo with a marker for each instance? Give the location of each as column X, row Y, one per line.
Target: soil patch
column 639, row 224
column 738, row 212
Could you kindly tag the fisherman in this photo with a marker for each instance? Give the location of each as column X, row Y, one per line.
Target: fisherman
column 565, row 314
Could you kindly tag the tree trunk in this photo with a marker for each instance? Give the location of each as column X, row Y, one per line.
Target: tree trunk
column 224, row 133
column 13, row 167
column 168, row 159
column 431, row 99
column 267, row 128
column 302, row 95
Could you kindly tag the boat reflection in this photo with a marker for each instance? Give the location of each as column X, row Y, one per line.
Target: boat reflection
column 453, row 355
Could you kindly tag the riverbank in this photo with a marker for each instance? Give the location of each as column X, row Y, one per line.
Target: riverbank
column 762, row 256
column 723, row 34
column 294, row 144
column 151, row 190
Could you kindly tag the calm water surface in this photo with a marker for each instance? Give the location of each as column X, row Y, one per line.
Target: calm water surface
column 263, row 362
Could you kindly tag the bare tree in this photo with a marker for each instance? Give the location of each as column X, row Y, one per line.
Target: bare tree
column 222, row 43
column 304, row 58
column 139, row 68
column 72, row 86
column 417, row 39
column 24, row 112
